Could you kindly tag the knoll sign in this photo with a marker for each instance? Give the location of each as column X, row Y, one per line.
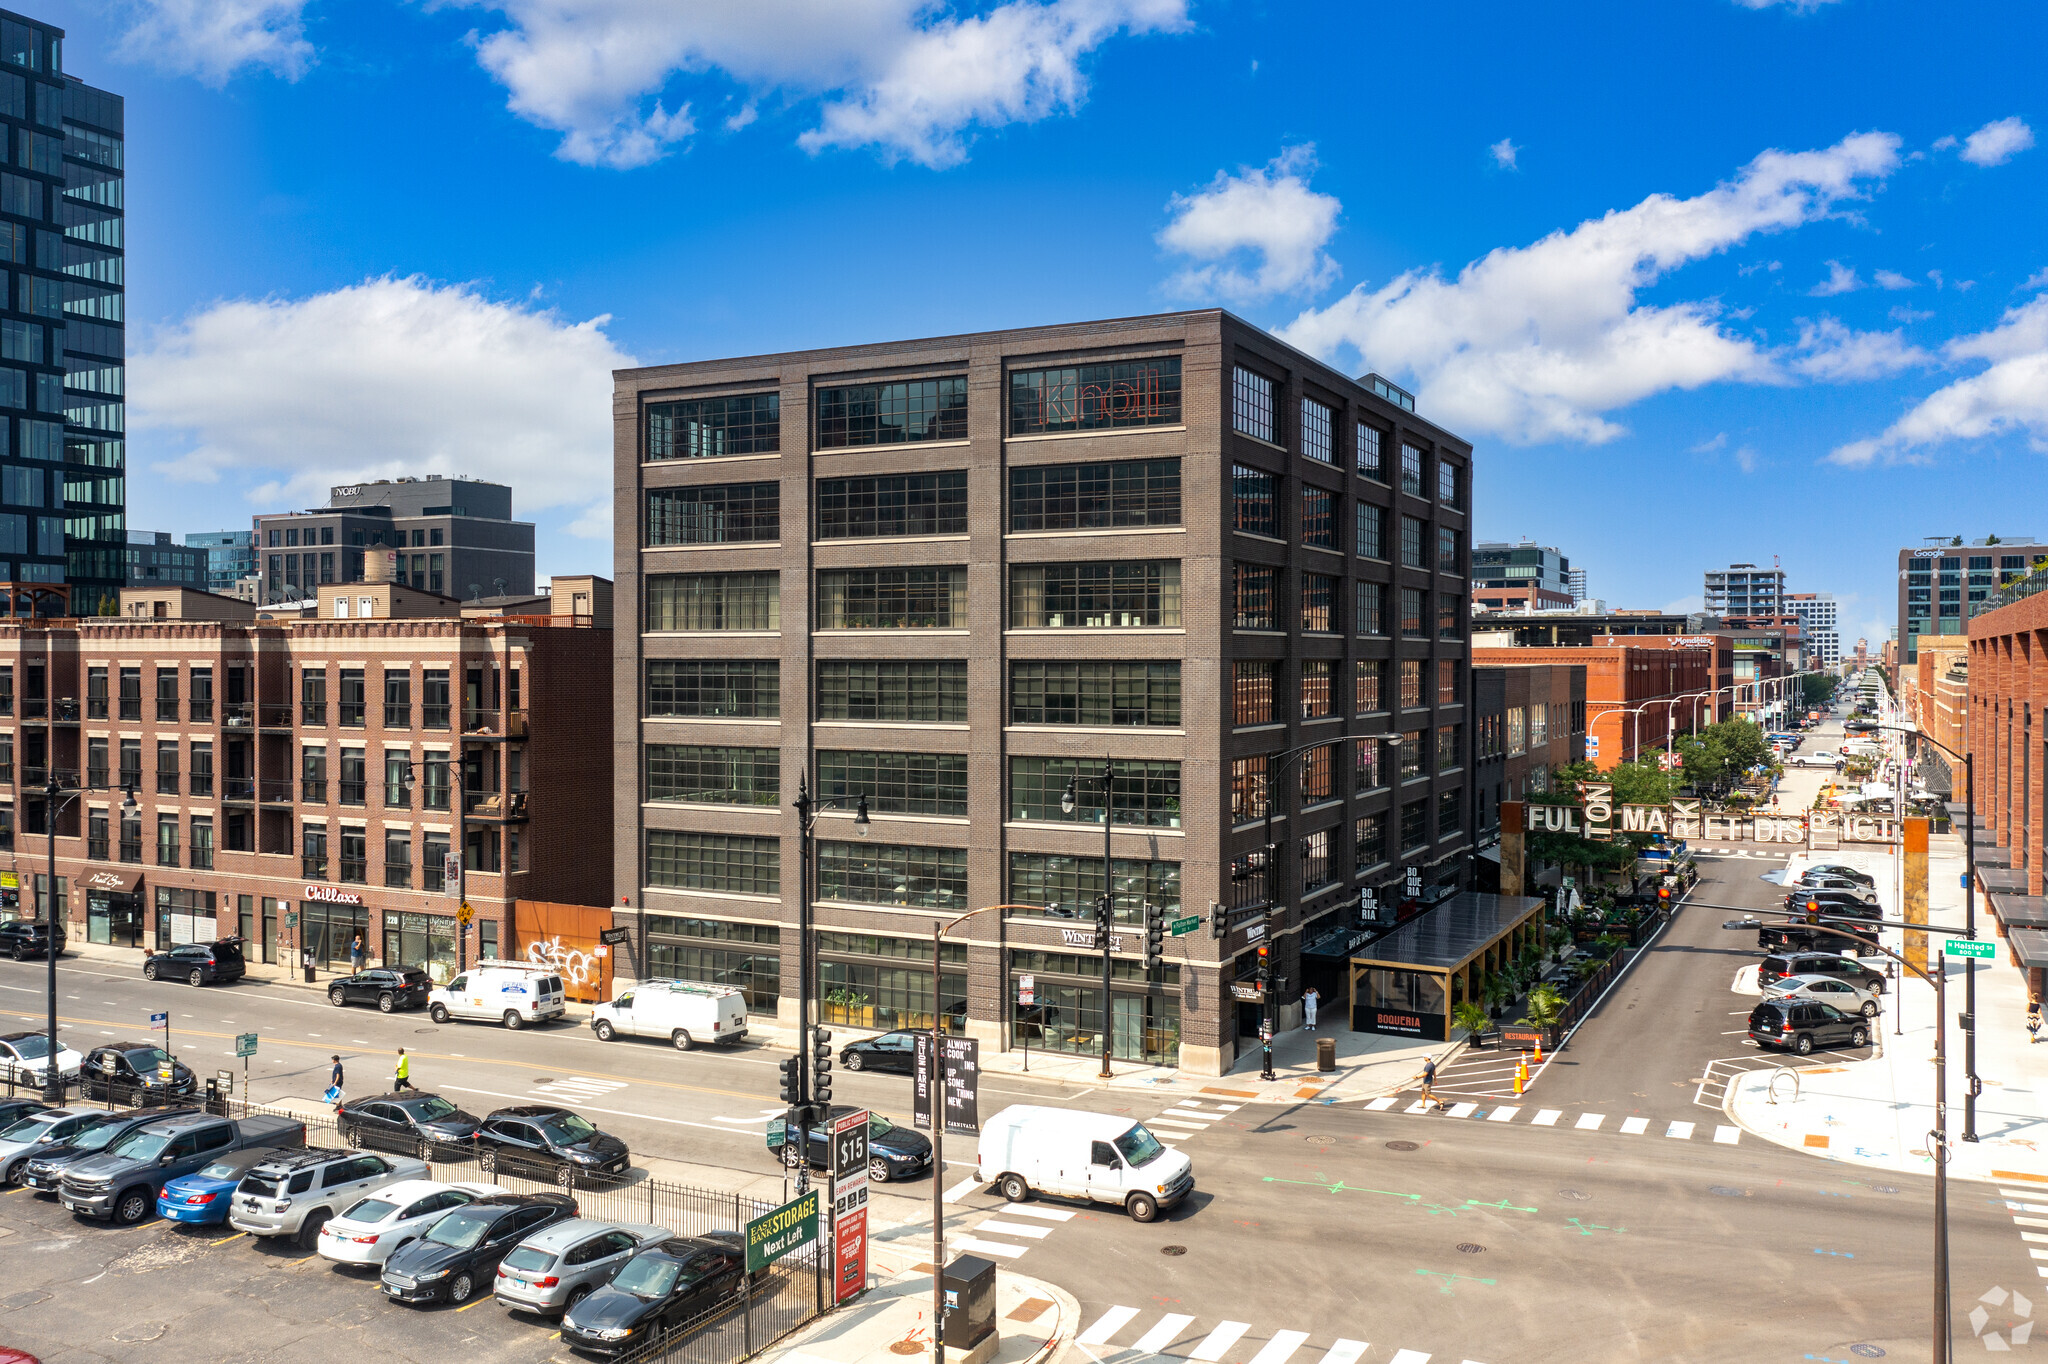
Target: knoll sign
column 1599, row 818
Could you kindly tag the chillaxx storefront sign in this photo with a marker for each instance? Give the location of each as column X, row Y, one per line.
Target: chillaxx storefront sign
column 1600, row 819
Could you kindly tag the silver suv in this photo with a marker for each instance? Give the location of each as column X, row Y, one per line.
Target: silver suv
column 557, row 1267
column 294, row 1195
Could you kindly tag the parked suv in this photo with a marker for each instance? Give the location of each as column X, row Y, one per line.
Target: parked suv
column 543, row 1135
column 25, row 938
column 1843, row 870
column 387, row 988
column 1780, row 965
column 125, row 1071
column 460, row 1253
column 554, row 1269
column 408, row 1122
column 45, row 1169
column 36, row 1134
column 198, row 963
column 121, row 1184
column 1802, row 1024
column 295, row 1195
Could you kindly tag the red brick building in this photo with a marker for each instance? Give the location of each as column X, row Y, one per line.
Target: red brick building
column 267, row 762
column 1630, row 690
column 2006, row 729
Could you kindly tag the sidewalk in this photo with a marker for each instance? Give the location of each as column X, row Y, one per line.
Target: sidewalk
column 1878, row 1113
column 893, row 1321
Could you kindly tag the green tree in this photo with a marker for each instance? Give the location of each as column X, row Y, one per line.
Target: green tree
column 1472, row 1019
column 1817, row 688
column 1545, row 1007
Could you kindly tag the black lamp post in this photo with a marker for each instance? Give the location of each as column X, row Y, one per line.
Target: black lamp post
column 796, row 1127
column 56, row 796
column 1105, row 914
column 451, row 768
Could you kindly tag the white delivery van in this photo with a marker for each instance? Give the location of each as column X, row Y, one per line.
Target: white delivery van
column 1859, row 748
column 514, row 993
column 682, row 1011
column 1027, row 1149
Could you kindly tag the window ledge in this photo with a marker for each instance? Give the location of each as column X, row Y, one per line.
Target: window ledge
column 652, row 803
column 1330, row 804
column 1259, row 440
column 1095, row 826
column 887, row 540
column 1120, row 730
column 1110, row 530
column 1323, row 549
column 890, row 446
column 706, row 720
column 711, row 634
column 1262, row 539
column 727, row 544
column 702, row 459
column 742, row 895
column 1086, row 435
column 887, row 631
column 1084, row 629
column 879, row 815
column 894, row 724
column 1322, row 720
column 1255, row 729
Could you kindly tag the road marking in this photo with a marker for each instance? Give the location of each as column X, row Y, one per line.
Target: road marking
column 1283, row 1344
column 2032, row 1236
column 1548, row 1117
column 962, row 1189
column 1049, row 1214
column 2031, row 1221
column 1409, row 1357
column 988, row 1247
column 236, row 1237
column 1681, row 1131
column 1502, row 1115
column 2011, row 1206
column 1002, row 1228
column 1164, row 1334
column 1459, row 1111
column 1219, row 1340
column 1590, row 1122
column 1630, row 1127
column 478, row 1303
column 1381, row 1105
column 2039, row 1254
column 1419, row 1106
column 1178, row 1126
column 1344, row 1352
column 1727, row 1136
column 1107, row 1325
column 2020, row 1193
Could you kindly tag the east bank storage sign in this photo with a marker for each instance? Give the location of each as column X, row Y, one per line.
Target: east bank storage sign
column 1597, row 817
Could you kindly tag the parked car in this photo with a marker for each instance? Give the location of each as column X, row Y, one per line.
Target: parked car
column 1820, row 880
column 1843, row 870
column 1854, row 903
column 297, row 1194
column 202, row 1198
column 35, row 1129
column 25, row 1056
column 461, row 1251
column 373, row 1228
column 545, row 1135
column 198, row 963
column 893, row 1052
column 509, row 992
column 123, row 1070
column 1850, row 999
column 1802, row 1024
column 25, row 938
column 1029, row 1148
column 1780, row 965
column 661, row 1287
column 893, row 1152
column 1810, row 760
column 14, row 1110
column 121, row 1183
column 680, row 1011
column 408, row 1122
column 45, row 1169
column 558, row 1267
column 389, row 988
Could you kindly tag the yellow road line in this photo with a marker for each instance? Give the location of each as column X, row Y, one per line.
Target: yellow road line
column 478, row 1303
column 236, row 1237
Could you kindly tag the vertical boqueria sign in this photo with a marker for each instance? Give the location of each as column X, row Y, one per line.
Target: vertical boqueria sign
column 850, row 1205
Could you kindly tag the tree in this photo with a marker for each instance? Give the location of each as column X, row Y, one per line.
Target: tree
column 1817, row 688
column 1545, row 1007
column 1472, row 1019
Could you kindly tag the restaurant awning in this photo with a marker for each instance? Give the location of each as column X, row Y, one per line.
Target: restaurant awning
column 1452, row 934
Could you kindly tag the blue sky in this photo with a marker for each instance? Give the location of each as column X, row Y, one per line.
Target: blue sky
column 1703, row 280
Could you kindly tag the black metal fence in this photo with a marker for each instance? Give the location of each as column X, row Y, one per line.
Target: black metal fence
column 775, row 1302
column 109, row 1091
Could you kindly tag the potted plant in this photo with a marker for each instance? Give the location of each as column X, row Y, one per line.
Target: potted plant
column 1497, row 993
column 1544, row 1008
column 1473, row 1020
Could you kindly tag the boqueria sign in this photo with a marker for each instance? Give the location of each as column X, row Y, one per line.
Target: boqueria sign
column 1598, row 818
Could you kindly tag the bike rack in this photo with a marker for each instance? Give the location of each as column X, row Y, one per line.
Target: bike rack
column 1780, row 1073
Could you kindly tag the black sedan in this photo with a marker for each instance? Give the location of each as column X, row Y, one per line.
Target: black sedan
column 660, row 1288
column 408, row 1122
column 124, row 1070
column 461, row 1251
column 14, row 1110
column 25, row 938
column 892, row 1052
column 554, row 1138
column 893, row 1152
column 198, row 963
column 46, row 1170
column 389, row 988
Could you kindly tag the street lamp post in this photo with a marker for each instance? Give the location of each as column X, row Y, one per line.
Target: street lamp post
column 796, row 1126
column 458, row 792
column 56, row 796
column 1105, row 917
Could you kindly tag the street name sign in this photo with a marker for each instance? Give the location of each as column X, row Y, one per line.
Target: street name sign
column 1180, row 928
column 1966, row 947
column 245, row 1044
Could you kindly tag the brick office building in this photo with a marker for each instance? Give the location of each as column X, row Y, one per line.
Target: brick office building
column 951, row 574
column 2007, row 730
column 1628, row 690
column 267, row 761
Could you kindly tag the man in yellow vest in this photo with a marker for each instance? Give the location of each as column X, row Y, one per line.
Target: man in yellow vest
column 403, row 1079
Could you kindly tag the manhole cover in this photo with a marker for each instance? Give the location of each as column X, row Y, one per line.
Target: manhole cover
column 1173, row 1250
column 1469, row 1247
column 907, row 1347
column 1726, row 1192
column 1575, row 1195
column 1867, row 1351
column 141, row 1331
column 1319, row 1141
column 1403, row 1146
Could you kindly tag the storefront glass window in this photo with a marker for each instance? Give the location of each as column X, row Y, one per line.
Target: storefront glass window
column 423, row 940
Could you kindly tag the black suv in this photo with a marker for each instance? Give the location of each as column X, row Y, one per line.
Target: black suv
column 198, row 963
column 25, row 938
column 542, row 1135
column 45, row 1171
column 1779, row 965
column 461, row 1251
column 1802, row 1024
column 388, row 988
column 408, row 1122
column 128, row 1071
column 1859, row 903
column 662, row 1287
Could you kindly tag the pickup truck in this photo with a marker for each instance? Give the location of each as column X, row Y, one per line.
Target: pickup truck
column 121, row 1184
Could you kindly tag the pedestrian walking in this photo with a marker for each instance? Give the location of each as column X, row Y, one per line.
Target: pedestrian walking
column 402, row 1079
column 356, row 955
column 1429, row 1082
column 2033, row 1021
column 1308, row 1006
column 334, row 1080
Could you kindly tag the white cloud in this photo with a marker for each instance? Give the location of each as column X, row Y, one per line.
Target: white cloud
column 1537, row 342
column 1994, row 144
column 1504, row 153
column 387, row 377
column 906, row 76
column 1268, row 213
column 2037, row 280
column 1746, row 459
column 2010, row 394
column 1833, row 353
column 214, row 39
column 1903, row 314
column 1719, row 442
column 1892, row 279
column 1796, row 6
column 1841, row 280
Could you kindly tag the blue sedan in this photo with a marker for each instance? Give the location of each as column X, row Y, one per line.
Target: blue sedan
column 202, row 1198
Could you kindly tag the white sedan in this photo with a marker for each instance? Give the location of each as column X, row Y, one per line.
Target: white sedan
column 371, row 1228
column 25, row 1056
column 1850, row 999
column 1812, row 760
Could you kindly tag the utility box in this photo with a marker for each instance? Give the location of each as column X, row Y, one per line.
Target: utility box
column 970, row 1291
column 1326, row 1053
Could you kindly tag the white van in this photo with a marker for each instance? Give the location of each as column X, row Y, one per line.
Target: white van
column 682, row 1011
column 1027, row 1149
column 514, row 993
column 1859, row 748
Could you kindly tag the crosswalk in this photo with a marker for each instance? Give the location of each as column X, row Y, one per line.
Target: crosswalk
column 1005, row 1232
column 1531, row 1116
column 1178, row 1336
column 1188, row 1118
column 1740, row 852
column 2029, row 1209
column 571, row 1088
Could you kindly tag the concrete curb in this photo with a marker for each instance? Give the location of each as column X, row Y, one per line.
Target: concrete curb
column 1068, row 1328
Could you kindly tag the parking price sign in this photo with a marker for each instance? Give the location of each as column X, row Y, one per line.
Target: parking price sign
column 850, row 1205
column 790, row 1227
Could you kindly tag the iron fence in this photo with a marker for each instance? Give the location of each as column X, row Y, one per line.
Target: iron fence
column 772, row 1304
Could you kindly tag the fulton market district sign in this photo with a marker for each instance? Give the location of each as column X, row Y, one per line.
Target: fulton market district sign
column 1598, row 818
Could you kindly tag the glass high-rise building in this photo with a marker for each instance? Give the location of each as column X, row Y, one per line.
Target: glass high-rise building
column 63, row 496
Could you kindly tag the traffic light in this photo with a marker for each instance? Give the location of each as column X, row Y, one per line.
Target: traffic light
column 1103, row 916
column 1663, row 897
column 1155, row 936
column 1265, row 964
column 821, row 1070
column 1218, row 925
column 792, row 1080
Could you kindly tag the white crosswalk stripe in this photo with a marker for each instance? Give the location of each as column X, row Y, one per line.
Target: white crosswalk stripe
column 1590, row 1122
column 578, row 1087
column 962, row 1189
column 1676, row 1130
column 1680, row 1131
column 1345, row 1352
column 1503, row 1114
column 1548, row 1117
column 1463, row 1110
column 1107, row 1325
column 1002, row 1248
column 1283, row 1344
column 1217, row 1341
column 1632, row 1127
column 1727, row 1136
column 1164, row 1334
column 1381, row 1105
column 1223, row 1340
column 996, row 1228
column 1031, row 1210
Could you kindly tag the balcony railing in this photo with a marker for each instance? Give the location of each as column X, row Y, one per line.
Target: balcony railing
column 278, row 791
column 239, row 715
column 64, row 708
column 397, row 716
column 434, row 715
column 202, row 783
column 131, row 850
column 238, row 788
column 491, row 805
column 353, row 792
column 96, row 849
column 274, row 715
column 350, row 714
column 167, row 854
column 355, row 871
column 95, row 707
column 131, row 779
column 202, row 857
column 493, row 724
column 202, row 710
column 96, row 778
column 6, row 703
column 313, row 866
column 313, row 790
column 431, row 875
column 313, row 713
column 167, row 783
column 397, row 797
column 131, row 707
column 167, row 710
column 35, row 708
column 398, row 875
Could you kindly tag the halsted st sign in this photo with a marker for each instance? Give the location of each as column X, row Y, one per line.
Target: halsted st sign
column 1600, row 819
